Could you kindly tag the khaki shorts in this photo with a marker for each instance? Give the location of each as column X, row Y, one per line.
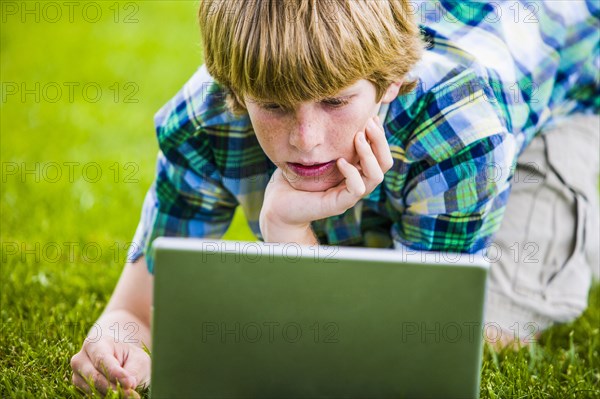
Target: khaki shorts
column 547, row 249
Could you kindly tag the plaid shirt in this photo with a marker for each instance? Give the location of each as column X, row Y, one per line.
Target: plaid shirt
column 492, row 76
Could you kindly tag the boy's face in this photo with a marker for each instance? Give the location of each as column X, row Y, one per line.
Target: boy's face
column 306, row 141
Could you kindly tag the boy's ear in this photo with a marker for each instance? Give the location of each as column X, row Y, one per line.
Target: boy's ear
column 391, row 92
column 237, row 97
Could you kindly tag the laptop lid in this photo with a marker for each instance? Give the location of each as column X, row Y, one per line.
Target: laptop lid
column 248, row 319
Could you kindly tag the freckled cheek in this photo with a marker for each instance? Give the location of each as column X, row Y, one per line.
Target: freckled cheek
column 342, row 146
column 272, row 139
column 347, row 126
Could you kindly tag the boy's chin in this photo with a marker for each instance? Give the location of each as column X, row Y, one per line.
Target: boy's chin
column 314, row 184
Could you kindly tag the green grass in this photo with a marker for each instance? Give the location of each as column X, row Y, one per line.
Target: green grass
column 50, row 297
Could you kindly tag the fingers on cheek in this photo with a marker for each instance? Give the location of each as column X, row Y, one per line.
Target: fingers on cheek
column 384, row 156
column 358, row 187
column 354, row 182
column 358, row 145
column 377, row 177
column 342, row 165
column 375, row 131
column 382, row 149
column 388, row 160
column 370, row 164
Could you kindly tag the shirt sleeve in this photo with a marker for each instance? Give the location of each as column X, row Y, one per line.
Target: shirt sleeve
column 457, row 166
column 181, row 203
column 188, row 197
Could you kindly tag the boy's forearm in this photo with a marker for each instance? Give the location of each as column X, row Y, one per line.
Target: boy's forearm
column 121, row 326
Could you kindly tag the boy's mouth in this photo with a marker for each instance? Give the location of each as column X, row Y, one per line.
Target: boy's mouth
column 316, row 169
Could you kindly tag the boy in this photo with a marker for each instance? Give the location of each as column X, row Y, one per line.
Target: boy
column 341, row 123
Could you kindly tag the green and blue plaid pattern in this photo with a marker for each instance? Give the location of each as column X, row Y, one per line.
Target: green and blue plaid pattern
column 492, row 77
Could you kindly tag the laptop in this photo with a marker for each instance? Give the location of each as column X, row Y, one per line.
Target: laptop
column 269, row 320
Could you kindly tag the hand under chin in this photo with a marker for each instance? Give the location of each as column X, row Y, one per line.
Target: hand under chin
column 315, row 185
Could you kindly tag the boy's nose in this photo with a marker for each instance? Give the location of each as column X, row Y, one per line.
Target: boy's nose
column 306, row 134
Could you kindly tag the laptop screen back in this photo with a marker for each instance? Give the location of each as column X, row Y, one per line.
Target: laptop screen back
column 246, row 320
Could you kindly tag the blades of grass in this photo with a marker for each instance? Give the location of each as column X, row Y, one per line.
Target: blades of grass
column 146, row 349
column 571, row 352
column 534, row 356
column 494, row 356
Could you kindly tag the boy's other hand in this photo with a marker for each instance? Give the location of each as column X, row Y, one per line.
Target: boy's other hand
column 106, row 362
column 287, row 213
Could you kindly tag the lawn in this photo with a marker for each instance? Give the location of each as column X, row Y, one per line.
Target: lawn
column 80, row 84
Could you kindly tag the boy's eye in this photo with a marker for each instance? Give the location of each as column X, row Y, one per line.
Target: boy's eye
column 271, row 106
column 332, row 102
column 335, row 102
